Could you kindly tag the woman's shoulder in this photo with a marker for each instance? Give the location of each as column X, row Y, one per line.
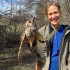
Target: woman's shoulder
column 44, row 28
column 67, row 29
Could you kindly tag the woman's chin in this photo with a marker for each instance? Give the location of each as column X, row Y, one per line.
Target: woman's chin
column 54, row 23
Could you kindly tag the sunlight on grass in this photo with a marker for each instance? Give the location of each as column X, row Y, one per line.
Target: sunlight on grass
column 15, row 68
column 9, row 60
column 4, row 55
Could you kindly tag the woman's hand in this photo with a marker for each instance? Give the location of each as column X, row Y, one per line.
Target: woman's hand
column 31, row 39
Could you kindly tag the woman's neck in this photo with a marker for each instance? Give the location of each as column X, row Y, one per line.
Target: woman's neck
column 54, row 26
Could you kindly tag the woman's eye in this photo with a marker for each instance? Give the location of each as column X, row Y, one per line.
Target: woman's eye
column 55, row 12
column 50, row 13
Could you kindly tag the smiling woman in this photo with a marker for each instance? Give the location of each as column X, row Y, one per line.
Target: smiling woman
column 53, row 13
column 56, row 48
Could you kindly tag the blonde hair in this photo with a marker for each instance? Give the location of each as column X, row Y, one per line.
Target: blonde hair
column 52, row 3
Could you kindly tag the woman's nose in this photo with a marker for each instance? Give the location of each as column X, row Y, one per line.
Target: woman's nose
column 53, row 15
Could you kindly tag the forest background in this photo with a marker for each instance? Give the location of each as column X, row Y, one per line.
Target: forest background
column 13, row 15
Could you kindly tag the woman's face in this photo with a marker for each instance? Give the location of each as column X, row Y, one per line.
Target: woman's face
column 53, row 15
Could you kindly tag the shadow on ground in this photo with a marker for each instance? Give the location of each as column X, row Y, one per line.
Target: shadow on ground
column 9, row 60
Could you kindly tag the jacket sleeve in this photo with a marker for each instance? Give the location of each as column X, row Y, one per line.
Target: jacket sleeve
column 39, row 48
column 68, row 60
column 33, row 49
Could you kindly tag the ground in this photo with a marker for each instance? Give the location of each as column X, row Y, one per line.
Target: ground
column 9, row 60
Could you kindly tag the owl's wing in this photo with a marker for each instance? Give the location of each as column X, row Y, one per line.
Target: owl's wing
column 23, row 39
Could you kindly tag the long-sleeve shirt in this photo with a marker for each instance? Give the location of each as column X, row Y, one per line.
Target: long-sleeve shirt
column 56, row 48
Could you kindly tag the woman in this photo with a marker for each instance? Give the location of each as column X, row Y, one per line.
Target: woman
column 58, row 47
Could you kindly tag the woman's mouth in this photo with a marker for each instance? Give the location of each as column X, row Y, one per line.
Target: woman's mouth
column 54, row 19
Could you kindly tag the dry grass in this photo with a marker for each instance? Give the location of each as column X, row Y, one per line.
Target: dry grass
column 9, row 60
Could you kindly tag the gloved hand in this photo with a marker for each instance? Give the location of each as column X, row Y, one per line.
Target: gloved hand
column 30, row 40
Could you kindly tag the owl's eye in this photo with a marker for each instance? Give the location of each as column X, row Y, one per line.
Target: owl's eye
column 29, row 21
